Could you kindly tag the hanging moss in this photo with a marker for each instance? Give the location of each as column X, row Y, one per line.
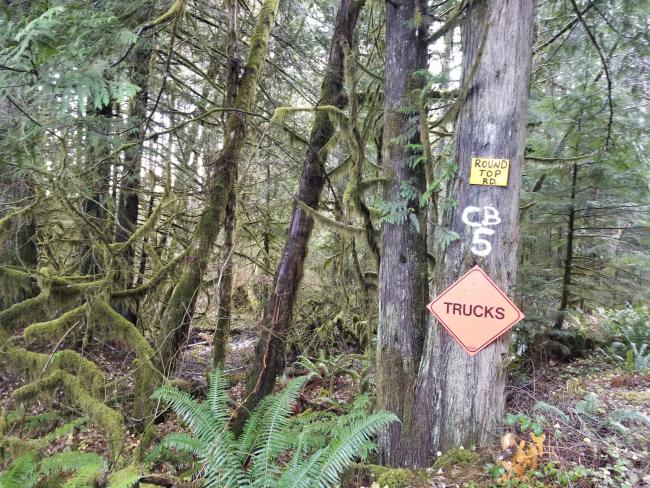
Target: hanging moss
column 348, row 230
column 54, row 330
column 15, row 283
column 101, row 415
column 23, row 313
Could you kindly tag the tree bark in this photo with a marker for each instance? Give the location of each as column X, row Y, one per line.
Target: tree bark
column 462, row 396
column 224, row 292
column 403, row 268
column 221, row 179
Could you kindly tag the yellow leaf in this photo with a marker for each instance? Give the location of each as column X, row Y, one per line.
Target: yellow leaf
column 539, row 442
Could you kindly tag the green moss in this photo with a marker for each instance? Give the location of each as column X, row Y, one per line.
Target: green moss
column 23, row 313
column 14, row 283
column 53, row 330
column 32, row 365
column 101, row 415
column 396, row 478
column 456, row 457
column 117, row 328
column 146, row 440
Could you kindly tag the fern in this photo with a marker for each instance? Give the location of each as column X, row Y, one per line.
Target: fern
column 21, row 474
column 125, row 478
column 252, row 459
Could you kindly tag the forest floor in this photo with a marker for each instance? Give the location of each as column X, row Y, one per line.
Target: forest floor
column 569, row 424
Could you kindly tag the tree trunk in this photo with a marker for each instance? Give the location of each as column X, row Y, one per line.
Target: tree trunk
column 568, row 258
column 403, row 269
column 462, row 396
column 224, row 307
column 129, row 200
column 269, row 353
column 95, row 208
column 221, row 179
column 224, row 292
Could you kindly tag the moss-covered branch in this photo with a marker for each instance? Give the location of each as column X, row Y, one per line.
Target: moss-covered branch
column 23, row 313
column 100, row 414
column 154, row 280
column 334, row 224
column 53, row 330
column 32, row 365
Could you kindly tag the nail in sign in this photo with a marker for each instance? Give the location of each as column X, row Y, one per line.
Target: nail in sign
column 475, row 311
column 492, row 172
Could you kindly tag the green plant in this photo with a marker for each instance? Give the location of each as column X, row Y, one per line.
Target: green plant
column 628, row 330
column 526, row 423
column 328, row 367
column 71, row 469
column 253, row 458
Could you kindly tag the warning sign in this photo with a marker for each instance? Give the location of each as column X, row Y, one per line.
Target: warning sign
column 489, row 172
column 475, row 311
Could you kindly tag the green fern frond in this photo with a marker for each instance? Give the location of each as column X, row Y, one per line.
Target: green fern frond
column 273, row 437
column 550, row 409
column 184, row 442
column 125, row 478
column 71, row 461
column 197, row 416
column 85, row 476
column 21, row 473
column 346, row 445
column 217, row 397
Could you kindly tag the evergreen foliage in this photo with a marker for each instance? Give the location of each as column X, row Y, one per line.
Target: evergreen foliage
column 252, row 459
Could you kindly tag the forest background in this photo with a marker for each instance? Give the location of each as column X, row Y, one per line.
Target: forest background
column 206, row 184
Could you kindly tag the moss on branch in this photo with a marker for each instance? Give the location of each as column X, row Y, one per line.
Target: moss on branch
column 99, row 414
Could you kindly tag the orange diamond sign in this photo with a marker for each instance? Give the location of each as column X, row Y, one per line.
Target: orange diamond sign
column 475, row 311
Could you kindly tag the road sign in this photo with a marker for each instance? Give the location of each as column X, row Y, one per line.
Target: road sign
column 475, row 311
column 491, row 172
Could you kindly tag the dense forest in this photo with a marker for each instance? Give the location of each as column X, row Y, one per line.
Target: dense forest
column 222, row 222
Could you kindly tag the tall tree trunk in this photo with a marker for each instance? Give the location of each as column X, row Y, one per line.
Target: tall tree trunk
column 269, row 353
column 568, row 257
column 95, row 207
column 129, row 200
column 403, row 269
column 224, row 307
column 462, row 396
column 220, row 181
column 224, row 292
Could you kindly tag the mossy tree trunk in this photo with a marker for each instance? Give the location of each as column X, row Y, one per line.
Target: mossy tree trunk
column 221, row 177
column 462, row 396
column 403, row 268
column 224, row 291
column 270, row 349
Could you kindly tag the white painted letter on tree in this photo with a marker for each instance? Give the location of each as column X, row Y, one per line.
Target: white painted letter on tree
column 487, row 217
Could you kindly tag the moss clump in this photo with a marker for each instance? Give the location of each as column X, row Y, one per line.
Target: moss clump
column 456, row 457
column 32, row 365
column 396, row 478
column 54, row 330
column 100, row 414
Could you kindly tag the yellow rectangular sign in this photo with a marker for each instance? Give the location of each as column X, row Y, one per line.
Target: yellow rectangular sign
column 486, row 171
